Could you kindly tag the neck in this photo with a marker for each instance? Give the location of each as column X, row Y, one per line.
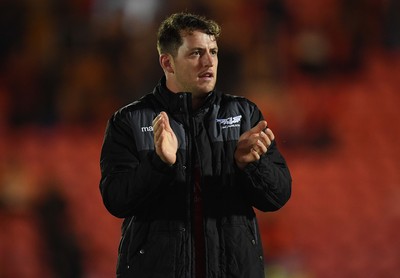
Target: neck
column 197, row 101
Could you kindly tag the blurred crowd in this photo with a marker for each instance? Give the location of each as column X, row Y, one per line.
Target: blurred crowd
column 75, row 62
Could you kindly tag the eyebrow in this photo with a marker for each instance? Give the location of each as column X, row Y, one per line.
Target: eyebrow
column 201, row 48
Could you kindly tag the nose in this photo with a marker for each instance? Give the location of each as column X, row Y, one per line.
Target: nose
column 208, row 59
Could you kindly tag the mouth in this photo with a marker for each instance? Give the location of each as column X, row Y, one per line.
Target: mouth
column 206, row 75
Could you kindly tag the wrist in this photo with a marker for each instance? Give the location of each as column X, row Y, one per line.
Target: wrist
column 169, row 161
column 241, row 165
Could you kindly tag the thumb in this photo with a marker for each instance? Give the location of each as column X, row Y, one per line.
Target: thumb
column 260, row 126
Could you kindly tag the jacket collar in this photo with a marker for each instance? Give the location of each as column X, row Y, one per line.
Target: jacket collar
column 179, row 102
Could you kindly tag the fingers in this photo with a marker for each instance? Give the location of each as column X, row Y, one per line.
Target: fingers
column 259, row 127
column 165, row 119
column 253, row 143
column 165, row 141
column 156, row 122
column 260, row 142
column 269, row 133
column 266, row 137
column 266, row 134
column 255, row 154
column 162, row 121
column 262, row 146
column 159, row 119
column 159, row 125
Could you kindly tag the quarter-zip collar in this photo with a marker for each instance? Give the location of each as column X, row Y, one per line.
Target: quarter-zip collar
column 178, row 103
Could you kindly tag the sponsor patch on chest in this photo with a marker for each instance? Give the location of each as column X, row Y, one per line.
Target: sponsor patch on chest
column 230, row 122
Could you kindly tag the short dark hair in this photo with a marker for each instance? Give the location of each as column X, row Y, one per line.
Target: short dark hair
column 169, row 37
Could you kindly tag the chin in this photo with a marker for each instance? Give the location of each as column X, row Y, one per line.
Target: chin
column 206, row 91
column 208, row 88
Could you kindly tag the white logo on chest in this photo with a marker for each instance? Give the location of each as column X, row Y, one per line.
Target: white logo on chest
column 230, row 122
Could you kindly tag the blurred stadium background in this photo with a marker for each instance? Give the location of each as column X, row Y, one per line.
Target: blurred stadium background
column 325, row 73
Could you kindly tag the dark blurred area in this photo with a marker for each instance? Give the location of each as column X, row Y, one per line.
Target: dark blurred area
column 324, row 73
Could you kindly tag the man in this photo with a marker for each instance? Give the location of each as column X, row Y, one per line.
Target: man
column 185, row 165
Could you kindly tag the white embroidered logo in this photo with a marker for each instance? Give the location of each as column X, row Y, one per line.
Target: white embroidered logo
column 147, row 128
column 230, row 122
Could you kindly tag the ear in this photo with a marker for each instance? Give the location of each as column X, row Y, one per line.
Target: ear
column 167, row 63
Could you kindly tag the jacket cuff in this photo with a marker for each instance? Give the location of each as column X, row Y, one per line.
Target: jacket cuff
column 160, row 165
column 251, row 167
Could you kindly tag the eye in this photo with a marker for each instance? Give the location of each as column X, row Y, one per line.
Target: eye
column 214, row 52
column 196, row 53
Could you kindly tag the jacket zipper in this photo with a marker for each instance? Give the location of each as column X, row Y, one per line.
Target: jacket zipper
column 189, row 176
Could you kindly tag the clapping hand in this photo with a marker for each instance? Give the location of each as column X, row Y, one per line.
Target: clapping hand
column 165, row 140
column 252, row 144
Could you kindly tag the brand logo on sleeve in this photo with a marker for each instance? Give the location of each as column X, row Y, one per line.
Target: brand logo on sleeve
column 230, row 122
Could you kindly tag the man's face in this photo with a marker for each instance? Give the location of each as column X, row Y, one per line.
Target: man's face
column 195, row 64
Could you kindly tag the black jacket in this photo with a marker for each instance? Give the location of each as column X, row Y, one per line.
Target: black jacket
column 156, row 199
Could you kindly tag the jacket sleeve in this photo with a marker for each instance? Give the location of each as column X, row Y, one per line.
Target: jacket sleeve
column 267, row 182
column 129, row 184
